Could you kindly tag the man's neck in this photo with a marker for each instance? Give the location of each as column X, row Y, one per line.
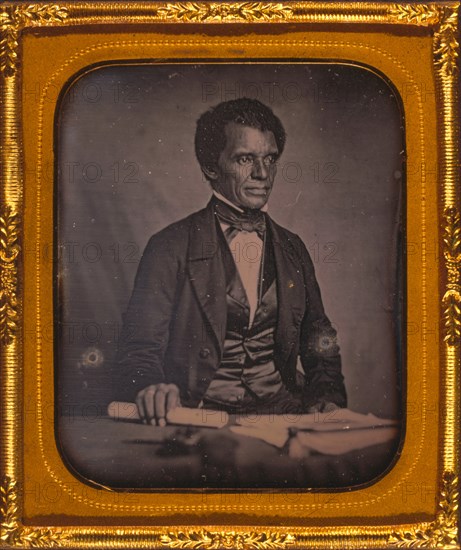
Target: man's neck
column 231, row 204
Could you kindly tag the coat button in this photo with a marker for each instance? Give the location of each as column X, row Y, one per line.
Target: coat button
column 204, row 353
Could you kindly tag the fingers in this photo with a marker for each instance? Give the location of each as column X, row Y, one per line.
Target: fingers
column 323, row 407
column 155, row 401
column 172, row 398
column 145, row 403
column 149, row 407
column 159, row 405
column 140, row 404
column 329, row 407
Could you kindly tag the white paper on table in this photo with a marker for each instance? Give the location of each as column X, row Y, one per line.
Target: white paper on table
column 331, row 432
column 338, row 443
column 339, row 419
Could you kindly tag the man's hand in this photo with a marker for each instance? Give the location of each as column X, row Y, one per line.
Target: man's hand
column 323, row 406
column 155, row 401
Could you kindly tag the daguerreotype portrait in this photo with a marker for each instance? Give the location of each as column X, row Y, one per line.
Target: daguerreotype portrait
column 218, row 323
column 230, row 289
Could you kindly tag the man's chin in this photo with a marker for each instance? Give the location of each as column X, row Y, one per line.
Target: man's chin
column 254, row 203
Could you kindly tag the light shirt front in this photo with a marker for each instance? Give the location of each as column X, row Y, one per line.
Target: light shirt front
column 247, row 249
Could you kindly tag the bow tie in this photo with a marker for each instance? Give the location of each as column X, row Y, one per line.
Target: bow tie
column 250, row 220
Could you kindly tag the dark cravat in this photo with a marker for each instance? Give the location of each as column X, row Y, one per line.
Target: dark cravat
column 248, row 220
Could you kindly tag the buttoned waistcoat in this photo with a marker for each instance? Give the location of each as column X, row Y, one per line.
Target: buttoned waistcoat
column 174, row 327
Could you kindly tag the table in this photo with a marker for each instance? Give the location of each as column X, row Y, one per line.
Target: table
column 128, row 455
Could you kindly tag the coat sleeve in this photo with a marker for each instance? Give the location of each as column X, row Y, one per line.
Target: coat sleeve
column 319, row 350
column 146, row 323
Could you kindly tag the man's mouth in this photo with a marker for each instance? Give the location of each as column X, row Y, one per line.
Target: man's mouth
column 259, row 191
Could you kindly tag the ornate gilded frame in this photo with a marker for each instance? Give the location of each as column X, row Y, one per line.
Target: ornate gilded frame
column 436, row 22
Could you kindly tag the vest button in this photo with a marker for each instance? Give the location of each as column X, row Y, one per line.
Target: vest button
column 204, row 353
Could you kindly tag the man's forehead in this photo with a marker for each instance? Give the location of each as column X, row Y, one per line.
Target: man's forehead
column 244, row 136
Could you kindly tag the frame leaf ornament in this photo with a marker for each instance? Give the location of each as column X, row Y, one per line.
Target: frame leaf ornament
column 15, row 534
column 9, row 252
column 223, row 11
column 452, row 298
column 414, row 14
column 443, row 532
column 444, row 20
column 13, row 19
column 196, row 540
column 446, row 45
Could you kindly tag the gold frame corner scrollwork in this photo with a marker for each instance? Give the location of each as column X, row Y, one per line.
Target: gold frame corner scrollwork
column 443, row 531
column 442, row 19
column 13, row 532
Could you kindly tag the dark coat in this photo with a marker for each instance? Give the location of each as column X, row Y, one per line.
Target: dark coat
column 175, row 324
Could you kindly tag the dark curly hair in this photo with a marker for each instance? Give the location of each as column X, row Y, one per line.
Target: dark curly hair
column 210, row 137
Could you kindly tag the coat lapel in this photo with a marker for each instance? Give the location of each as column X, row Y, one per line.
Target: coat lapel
column 291, row 294
column 206, row 271
column 207, row 276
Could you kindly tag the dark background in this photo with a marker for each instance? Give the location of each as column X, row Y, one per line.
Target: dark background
column 126, row 168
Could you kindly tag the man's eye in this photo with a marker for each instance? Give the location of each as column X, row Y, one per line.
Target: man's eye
column 270, row 159
column 245, row 159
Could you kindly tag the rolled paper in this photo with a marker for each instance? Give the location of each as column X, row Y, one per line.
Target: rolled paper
column 206, row 418
column 121, row 410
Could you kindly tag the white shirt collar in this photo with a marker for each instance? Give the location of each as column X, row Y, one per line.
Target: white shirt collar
column 227, row 201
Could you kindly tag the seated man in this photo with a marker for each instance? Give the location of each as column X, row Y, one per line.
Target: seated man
column 226, row 300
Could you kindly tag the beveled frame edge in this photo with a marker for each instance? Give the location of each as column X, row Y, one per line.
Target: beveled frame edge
column 442, row 20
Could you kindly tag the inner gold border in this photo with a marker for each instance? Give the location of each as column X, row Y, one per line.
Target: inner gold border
column 435, row 211
column 356, row 504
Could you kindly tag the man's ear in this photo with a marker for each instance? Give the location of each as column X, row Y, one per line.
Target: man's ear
column 210, row 172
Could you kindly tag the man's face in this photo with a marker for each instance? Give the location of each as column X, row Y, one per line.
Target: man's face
column 247, row 166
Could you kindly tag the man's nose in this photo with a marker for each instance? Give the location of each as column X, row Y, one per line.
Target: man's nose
column 259, row 170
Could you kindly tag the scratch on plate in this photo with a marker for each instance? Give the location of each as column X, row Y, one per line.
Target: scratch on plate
column 296, row 200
